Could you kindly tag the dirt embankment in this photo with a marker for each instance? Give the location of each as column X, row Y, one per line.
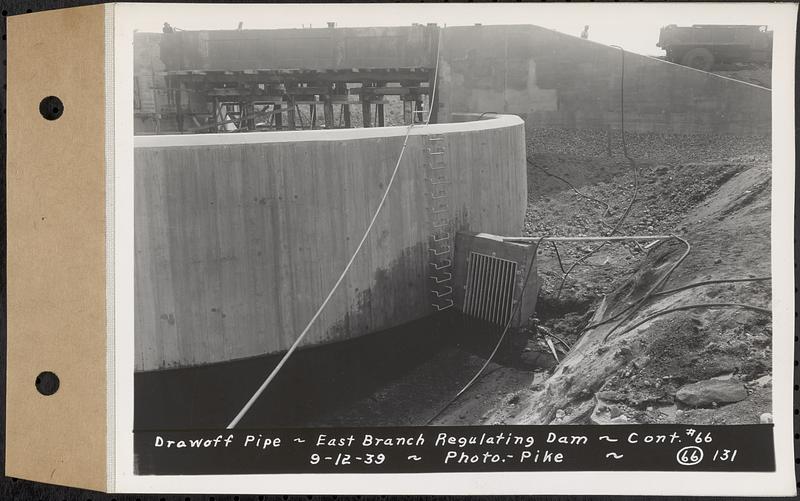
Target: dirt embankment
column 698, row 365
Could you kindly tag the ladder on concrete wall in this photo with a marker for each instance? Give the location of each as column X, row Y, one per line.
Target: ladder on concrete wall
column 440, row 244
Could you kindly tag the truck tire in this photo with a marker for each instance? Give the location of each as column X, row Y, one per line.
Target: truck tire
column 699, row 58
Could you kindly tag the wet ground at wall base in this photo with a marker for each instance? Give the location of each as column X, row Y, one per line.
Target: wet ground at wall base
column 404, row 376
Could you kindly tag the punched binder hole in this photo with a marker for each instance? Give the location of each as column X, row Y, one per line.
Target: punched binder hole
column 47, row 383
column 51, row 108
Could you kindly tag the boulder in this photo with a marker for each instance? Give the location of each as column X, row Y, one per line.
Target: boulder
column 711, row 391
column 763, row 381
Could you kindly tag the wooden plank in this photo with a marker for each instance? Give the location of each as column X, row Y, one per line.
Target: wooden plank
column 308, row 91
column 390, row 91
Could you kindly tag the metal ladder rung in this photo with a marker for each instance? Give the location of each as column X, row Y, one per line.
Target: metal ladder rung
column 438, row 181
column 443, row 294
column 445, row 237
column 441, row 280
column 443, row 266
column 440, row 253
column 441, row 225
column 436, row 197
column 441, row 205
column 442, row 308
column 437, row 159
column 440, row 166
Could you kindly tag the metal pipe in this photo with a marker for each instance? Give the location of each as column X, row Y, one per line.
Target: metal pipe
column 585, row 239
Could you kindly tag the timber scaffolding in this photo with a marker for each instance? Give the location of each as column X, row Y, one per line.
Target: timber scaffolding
column 248, row 80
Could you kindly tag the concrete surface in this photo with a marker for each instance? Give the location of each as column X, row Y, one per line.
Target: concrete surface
column 557, row 80
column 239, row 237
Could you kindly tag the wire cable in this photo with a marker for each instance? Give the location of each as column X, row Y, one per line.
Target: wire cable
column 633, row 169
column 650, row 293
column 547, row 172
column 698, row 305
column 499, row 342
column 613, row 230
column 558, row 256
column 659, row 283
column 247, row 406
column 299, row 338
column 547, row 332
column 435, row 78
column 709, row 282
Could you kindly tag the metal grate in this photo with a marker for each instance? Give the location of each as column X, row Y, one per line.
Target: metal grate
column 489, row 292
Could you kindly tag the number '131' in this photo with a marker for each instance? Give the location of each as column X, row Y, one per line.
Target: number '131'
column 725, row 455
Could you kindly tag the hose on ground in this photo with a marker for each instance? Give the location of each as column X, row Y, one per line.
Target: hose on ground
column 710, row 282
column 659, row 283
column 697, row 305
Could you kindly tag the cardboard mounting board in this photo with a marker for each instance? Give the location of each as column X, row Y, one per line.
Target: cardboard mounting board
column 57, row 248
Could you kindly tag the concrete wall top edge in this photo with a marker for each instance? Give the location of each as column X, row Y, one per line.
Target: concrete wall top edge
column 576, row 41
column 163, row 141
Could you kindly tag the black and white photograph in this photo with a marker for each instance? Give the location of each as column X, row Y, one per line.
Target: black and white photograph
column 413, row 249
column 452, row 222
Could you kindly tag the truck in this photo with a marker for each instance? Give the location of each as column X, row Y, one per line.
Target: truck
column 702, row 46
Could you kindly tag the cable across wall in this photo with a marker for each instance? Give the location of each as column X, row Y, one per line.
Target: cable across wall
column 249, row 404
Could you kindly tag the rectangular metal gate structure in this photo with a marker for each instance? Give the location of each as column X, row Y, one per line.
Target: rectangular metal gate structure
column 489, row 279
column 489, row 292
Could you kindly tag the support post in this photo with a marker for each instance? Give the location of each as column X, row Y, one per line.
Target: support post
column 290, row 118
column 433, row 100
column 366, row 111
column 216, row 118
column 278, row 117
column 178, row 107
column 340, row 91
column 328, row 110
column 346, row 111
column 379, row 108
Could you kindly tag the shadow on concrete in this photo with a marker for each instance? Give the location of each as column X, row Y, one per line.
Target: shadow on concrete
column 316, row 385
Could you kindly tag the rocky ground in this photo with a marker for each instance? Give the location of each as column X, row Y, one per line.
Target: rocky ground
column 701, row 365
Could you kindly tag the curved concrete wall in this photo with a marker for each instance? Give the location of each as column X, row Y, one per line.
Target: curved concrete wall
column 239, row 237
column 557, row 80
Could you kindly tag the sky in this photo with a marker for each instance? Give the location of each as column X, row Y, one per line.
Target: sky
column 632, row 26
